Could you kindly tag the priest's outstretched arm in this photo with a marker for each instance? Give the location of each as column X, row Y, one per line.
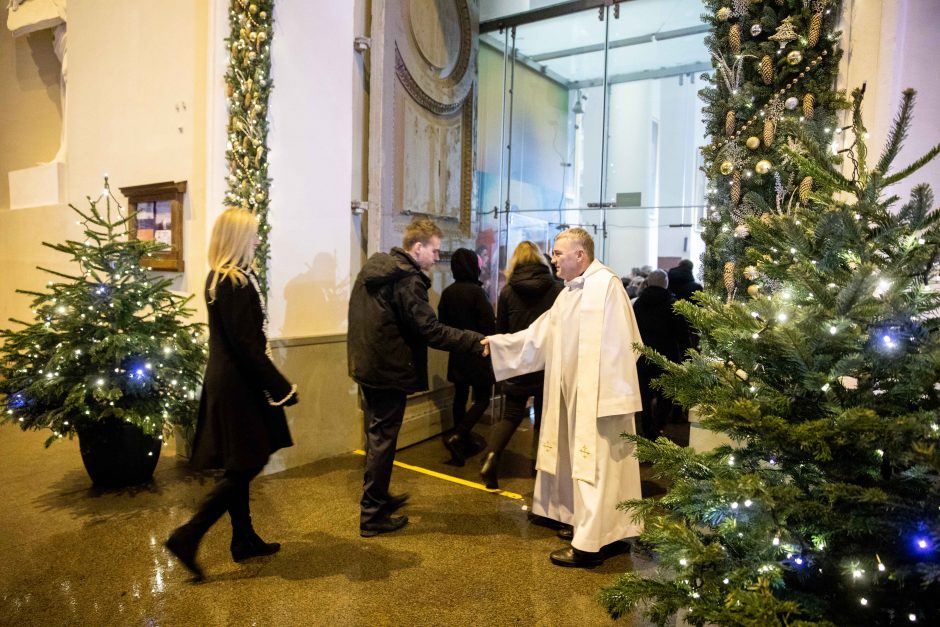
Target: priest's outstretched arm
column 521, row 352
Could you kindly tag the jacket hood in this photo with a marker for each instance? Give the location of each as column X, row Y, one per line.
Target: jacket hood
column 465, row 265
column 382, row 268
column 531, row 279
column 680, row 275
column 654, row 295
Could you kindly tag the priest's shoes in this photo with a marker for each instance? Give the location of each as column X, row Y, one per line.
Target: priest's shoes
column 385, row 525
column 574, row 558
column 566, row 532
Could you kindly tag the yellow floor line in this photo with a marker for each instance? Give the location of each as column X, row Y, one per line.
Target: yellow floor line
column 457, row 480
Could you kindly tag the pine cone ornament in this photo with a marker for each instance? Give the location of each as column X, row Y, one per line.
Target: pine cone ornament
column 815, row 28
column 809, row 100
column 767, row 70
column 806, row 187
column 736, row 187
column 729, row 123
column 770, row 128
column 729, row 277
column 734, row 39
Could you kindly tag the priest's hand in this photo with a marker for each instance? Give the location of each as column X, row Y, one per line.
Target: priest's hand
column 486, row 346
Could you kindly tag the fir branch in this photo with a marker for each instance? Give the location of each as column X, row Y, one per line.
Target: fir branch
column 899, row 129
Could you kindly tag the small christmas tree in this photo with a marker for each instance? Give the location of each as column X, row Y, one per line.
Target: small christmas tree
column 826, row 510
column 108, row 342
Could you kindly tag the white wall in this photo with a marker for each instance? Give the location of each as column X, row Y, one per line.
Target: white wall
column 311, row 141
column 893, row 45
column 136, row 102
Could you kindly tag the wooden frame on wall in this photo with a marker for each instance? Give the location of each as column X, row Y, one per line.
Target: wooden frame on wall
column 156, row 212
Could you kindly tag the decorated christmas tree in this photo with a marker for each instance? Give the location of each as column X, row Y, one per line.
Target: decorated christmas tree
column 109, row 341
column 825, row 507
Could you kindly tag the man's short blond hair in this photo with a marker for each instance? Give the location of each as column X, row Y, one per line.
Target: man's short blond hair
column 581, row 237
column 420, row 230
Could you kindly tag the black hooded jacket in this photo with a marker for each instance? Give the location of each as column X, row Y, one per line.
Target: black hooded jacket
column 530, row 292
column 660, row 327
column 682, row 283
column 391, row 324
column 464, row 306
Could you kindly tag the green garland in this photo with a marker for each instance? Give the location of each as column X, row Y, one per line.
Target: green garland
column 775, row 64
column 247, row 88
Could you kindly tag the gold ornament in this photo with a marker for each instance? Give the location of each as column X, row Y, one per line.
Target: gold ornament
column 262, row 36
column 794, row 57
column 729, row 277
column 741, row 231
column 734, row 39
column 750, row 273
column 763, row 166
column 736, row 187
column 259, row 197
column 815, row 28
column 765, row 219
column 767, row 70
column 806, row 188
column 723, row 14
column 727, row 168
column 770, row 128
column 753, row 290
column 752, row 142
column 729, row 123
column 253, row 8
column 809, row 100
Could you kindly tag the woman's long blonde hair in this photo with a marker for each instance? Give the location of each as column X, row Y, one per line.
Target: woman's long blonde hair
column 231, row 249
column 526, row 253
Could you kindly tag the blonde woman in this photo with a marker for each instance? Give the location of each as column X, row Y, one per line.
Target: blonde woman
column 241, row 412
column 529, row 292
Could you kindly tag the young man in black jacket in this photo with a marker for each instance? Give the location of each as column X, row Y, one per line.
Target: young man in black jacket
column 391, row 324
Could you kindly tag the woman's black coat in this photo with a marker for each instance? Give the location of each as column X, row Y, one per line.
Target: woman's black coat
column 464, row 306
column 237, row 429
column 530, row 292
column 660, row 327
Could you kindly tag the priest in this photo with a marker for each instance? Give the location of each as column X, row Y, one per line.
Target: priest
column 585, row 345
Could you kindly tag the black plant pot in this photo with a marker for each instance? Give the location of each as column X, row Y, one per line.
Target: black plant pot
column 118, row 454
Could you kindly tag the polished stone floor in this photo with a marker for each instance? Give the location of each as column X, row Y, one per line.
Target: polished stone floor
column 79, row 556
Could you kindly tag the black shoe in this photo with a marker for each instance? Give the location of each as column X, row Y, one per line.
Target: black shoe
column 566, row 532
column 574, row 558
column 454, row 444
column 394, row 503
column 489, row 471
column 253, row 546
column 386, row 525
column 183, row 546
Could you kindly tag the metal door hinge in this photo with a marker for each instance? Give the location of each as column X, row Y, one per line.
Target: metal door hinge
column 359, row 207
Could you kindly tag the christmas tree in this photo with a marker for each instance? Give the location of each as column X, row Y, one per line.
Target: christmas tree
column 108, row 342
column 825, row 510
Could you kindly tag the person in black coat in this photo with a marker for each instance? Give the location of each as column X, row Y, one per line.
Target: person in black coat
column 391, row 325
column 464, row 306
column 665, row 331
column 683, row 284
column 241, row 417
column 529, row 292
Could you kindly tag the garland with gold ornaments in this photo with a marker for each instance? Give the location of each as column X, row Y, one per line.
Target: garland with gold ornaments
column 775, row 67
column 247, row 88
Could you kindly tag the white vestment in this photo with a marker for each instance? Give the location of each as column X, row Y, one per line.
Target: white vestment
column 585, row 344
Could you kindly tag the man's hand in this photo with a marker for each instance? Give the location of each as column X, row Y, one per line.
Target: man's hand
column 486, row 346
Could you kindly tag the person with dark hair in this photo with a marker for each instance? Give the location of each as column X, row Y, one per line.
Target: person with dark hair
column 668, row 333
column 682, row 282
column 464, row 306
column 241, row 412
column 391, row 325
column 529, row 293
